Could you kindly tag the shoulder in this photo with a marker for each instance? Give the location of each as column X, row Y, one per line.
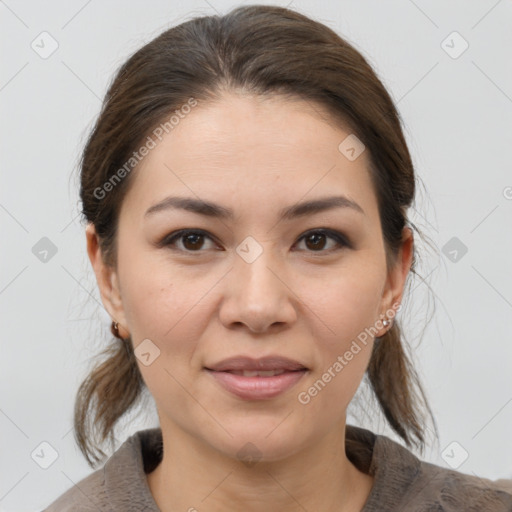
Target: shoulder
column 404, row 482
column 121, row 483
column 86, row 495
column 440, row 489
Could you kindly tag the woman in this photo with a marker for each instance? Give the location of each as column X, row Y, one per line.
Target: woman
column 246, row 189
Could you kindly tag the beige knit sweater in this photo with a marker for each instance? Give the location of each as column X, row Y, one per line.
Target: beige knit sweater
column 402, row 481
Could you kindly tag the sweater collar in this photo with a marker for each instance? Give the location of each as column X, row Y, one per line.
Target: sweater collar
column 394, row 468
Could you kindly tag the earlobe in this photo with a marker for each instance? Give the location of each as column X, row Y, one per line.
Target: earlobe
column 106, row 277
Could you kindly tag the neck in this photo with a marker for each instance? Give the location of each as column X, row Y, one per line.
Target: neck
column 193, row 476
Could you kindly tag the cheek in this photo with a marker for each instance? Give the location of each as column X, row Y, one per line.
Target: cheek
column 342, row 362
column 347, row 309
column 158, row 297
column 346, row 302
column 163, row 307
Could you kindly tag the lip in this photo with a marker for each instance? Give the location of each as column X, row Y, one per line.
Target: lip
column 239, row 363
column 257, row 388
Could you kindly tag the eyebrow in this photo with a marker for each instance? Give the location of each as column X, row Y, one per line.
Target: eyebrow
column 214, row 210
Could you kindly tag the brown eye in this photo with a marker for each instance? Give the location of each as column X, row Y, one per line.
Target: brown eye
column 316, row 241
column 191, row 241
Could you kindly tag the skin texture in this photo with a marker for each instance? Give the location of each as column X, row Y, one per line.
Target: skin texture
column 300, row 300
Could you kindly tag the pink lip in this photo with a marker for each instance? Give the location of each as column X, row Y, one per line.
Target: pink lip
column 257, row 388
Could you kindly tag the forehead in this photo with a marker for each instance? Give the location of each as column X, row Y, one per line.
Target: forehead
column 256, row 149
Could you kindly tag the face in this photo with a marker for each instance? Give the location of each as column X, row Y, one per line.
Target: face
column 193, row 289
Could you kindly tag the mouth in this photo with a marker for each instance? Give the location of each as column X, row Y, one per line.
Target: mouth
column 257, row 379
column 262, row 364
column 258, row 373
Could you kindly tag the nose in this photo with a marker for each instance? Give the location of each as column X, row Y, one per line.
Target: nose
column 258, row 296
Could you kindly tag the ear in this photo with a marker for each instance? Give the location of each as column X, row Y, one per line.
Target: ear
column 397, row 275
column 107, row 279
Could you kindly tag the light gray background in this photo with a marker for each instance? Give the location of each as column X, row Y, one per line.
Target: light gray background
column 458, row 121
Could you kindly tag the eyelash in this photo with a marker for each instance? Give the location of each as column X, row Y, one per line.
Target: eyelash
column 338, row 237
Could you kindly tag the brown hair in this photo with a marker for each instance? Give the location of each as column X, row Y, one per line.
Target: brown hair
column 260, row 50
